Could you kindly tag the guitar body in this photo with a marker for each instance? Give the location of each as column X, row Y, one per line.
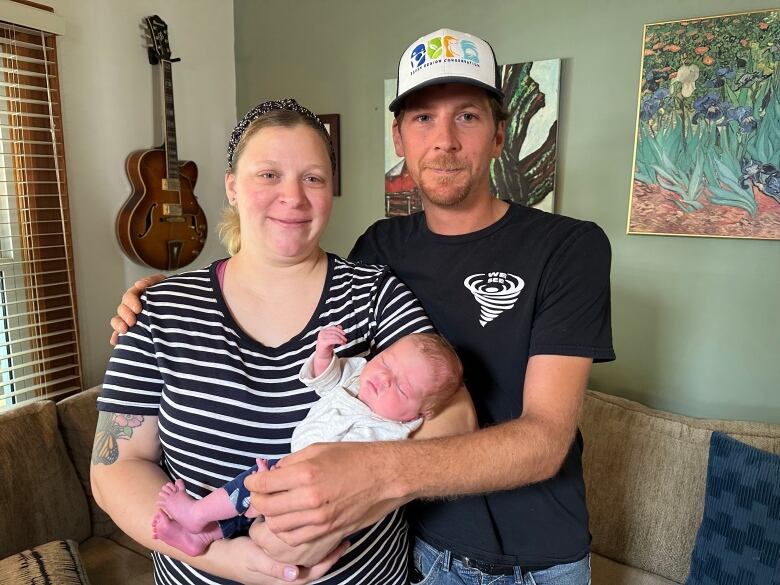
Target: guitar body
column 161, row 227
column 161, row 224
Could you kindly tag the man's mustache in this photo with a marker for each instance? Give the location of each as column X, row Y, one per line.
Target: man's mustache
column 444, row 163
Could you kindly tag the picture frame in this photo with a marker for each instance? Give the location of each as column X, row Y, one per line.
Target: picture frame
column 331, row 122
column 707, row 142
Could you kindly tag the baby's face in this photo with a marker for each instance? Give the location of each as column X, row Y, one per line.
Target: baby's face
column 395, row 383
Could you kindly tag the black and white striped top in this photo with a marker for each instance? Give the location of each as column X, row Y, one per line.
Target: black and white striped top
column 223, row 399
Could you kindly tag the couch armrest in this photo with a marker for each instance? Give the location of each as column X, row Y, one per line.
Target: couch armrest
column 54, row 562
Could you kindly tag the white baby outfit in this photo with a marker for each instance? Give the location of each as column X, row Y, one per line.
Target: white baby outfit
column 338, row 415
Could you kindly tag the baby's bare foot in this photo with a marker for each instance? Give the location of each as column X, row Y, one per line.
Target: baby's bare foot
column 174, row 534
column 181, row 507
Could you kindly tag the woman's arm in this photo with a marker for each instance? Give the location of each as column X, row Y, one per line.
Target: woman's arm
column 126, row 479
column 457, row 417
column 125, row 472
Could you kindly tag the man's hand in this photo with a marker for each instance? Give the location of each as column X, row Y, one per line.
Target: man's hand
column 328, row 338
column 131, row 305
column 328, row 489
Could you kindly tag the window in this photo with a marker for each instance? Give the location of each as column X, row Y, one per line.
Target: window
column 39, row 349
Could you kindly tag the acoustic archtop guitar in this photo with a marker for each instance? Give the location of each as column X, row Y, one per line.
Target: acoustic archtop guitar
column 161, row 224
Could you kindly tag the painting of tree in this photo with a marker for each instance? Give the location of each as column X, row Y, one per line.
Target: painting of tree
column 525, row 170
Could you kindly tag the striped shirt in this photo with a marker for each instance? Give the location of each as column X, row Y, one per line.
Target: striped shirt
column 224, row 399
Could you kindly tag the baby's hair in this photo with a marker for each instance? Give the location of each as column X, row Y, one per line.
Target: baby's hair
column 448, row 369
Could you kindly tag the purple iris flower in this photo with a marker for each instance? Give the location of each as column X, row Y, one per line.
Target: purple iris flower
column 652, row 103
column 743, row 116
column 721, row 74
column 710, row 107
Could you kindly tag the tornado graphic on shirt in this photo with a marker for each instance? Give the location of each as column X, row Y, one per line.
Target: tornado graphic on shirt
column 495, row 292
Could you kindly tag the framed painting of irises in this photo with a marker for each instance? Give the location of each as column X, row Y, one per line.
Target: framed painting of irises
column 524, row 171
column 707, row 146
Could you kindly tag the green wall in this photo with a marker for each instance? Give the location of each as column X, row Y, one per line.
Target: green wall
column 696, row 321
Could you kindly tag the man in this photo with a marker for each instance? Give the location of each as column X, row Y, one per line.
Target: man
column 524, row 297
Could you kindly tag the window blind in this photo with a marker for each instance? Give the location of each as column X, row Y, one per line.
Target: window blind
column 39, row 343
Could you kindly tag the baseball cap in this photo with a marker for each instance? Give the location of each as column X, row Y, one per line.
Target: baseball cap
column 447, row 56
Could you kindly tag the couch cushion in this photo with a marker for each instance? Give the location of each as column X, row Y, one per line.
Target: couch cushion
column 645, row 473
column 739, row 537
column 607, row 572
column 108, row 563
column 54, row 562
column 42, row 499
column 77, row 417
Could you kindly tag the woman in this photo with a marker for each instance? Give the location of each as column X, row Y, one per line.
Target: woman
column 207, row 379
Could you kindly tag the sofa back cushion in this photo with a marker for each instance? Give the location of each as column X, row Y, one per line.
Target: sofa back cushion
column 645, row 473
column 42, row 499
column 78, row 416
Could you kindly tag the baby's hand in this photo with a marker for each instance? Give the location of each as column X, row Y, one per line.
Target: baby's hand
column 328, row 338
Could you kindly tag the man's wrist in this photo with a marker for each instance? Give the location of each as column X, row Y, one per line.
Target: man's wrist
column 397, row 481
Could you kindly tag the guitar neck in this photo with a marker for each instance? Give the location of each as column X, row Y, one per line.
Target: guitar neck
column 169, row 126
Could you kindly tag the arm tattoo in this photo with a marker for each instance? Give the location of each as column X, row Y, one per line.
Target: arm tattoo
column 111, row 427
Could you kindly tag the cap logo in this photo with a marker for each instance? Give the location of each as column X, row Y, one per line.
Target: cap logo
column 449, row 48
column 446, row 56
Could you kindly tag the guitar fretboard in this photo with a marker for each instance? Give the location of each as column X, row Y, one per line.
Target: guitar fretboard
column 171, row 154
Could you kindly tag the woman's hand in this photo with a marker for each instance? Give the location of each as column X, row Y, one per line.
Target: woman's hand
column 305, row 555
column 131, row 305
column 251, row 566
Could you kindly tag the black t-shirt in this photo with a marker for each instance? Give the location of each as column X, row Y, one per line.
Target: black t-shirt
column 531, row 283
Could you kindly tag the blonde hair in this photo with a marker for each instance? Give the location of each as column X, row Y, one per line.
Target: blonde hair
column 229, row 227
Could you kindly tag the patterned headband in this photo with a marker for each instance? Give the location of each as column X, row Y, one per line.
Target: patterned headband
column 260, row 110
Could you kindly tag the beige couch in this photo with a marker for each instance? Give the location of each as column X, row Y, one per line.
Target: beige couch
column 44, row 481
column 645, row 473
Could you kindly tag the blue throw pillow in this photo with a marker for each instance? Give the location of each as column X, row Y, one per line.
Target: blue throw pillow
column 739, row 538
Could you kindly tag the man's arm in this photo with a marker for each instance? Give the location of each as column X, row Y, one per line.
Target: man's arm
column 526, row 450
column 343, row 487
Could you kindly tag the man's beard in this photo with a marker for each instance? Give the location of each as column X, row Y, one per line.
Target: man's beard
column 444, row 191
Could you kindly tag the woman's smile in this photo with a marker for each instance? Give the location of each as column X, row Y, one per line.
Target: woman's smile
column 290, row 222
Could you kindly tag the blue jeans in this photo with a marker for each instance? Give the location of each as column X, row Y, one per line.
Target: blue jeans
column 439, row 568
